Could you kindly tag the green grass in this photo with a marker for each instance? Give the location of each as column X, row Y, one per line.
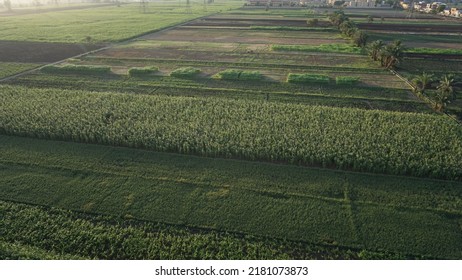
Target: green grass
column 12, row 68
column 325, row 48
column 324, row 207
column 375, row 141
column 239, row 75
column 185, row 72
column 77, row 69
column 434, row 51
column 307, row 78
column 103, row 24
column 142, row 71
column 421, row 38
column 346, row 80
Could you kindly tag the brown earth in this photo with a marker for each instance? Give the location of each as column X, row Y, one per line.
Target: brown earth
column 218, row 21
column 38, row 52
column 243, row 36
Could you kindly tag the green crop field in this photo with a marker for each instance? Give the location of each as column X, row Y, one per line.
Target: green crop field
column 278, row 201
column 103, row 24
column 396, row 143
column 243, row 134
column 9, row 68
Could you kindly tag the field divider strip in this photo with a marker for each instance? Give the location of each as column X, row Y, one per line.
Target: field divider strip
column 427, row 100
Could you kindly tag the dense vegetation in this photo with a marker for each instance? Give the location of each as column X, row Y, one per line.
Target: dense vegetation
column 413, row 217
column 185, row 72
column 30, row 232
column 377, row 141
column 142, row 71
column 308, row 78
column 239, row 75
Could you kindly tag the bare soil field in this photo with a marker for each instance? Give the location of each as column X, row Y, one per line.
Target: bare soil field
column 244, row 36
column 247, row 22
column 37, row 52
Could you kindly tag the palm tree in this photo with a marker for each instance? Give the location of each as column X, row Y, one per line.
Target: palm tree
column 338, row 18
column 392, row 54
column 374, row 49
column 445, row 93
column 347, row 28
column 422, row 82
column 446, row 84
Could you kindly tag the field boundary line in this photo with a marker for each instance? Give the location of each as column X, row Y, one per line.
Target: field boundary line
column 130, row 39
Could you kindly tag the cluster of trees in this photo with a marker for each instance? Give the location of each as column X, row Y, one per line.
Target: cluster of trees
column 445, row 92
column 389, row 55
column 348, row 28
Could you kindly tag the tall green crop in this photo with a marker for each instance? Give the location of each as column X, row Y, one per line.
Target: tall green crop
column 375, row 141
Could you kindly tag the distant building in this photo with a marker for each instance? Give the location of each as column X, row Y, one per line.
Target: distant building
column 285, row 3
column 455, row 12
column 361, row 4
column 273, row 3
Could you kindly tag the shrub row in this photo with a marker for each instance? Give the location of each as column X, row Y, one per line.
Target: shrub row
column 185, row 72
column 142, row 71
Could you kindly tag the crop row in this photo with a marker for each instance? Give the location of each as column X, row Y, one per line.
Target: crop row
column 53, row 232
column 377, row 141
column 303, row 204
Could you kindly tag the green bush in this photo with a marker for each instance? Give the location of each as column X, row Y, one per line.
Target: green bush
column 142, row 71
column 241, row 75
column 307, row 78
column 77, row 69
column 346, row 80
column 185, row 72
